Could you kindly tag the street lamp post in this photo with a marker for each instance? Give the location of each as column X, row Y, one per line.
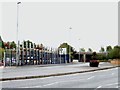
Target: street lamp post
column 69, row 45
column 79, row 52
column 17, row 41
column 5, row 57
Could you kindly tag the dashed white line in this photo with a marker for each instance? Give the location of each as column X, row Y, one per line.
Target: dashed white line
column 107, row 85
column 32, row 87
column 91, row 77
column 98, row 87
column 113, row 73
column 50, row 84
column 111, row 84
column 40, row 85
column 46, row 78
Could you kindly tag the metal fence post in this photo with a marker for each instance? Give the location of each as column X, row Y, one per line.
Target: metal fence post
column 4, row 58
column 38, row 57
column 26, row 52
column 51, row 55
column 11, row 57
column 22, row 52
column 44, row 56
column 30, row 53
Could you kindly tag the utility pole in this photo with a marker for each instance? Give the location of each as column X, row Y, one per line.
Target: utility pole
column 79, row 50
column 69, row 45
column 17, row 41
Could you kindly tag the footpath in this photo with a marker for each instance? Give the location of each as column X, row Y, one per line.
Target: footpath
column 40, row 71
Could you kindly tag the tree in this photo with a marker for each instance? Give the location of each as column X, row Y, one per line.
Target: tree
column 28, row 44
column 37, row 46
column 3, row 46
column 82, row 50
column 114, row 53
column 41, row 46
column 68, row 47
column 6, row 45
column 108, row 48
column 1, row 54
column 12, row 45
column 90, row 50
column 64, row 45
column 102, row 49
column 101, row 56
column 94, row 54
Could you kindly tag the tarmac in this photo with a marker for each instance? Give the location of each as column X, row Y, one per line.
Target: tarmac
column 41, row 71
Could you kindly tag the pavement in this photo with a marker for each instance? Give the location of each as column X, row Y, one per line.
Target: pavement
column 40, row 71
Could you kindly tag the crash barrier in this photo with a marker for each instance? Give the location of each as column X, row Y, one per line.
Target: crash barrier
column 32, row 56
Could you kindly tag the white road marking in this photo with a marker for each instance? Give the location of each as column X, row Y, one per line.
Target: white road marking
column 107, row 85
column 46, row 78
column 98, row 87
column 117, row 86
column 35, row 86
column 24, row 87
column 50, row 84
column 113, row 73
column 70, row 80
column 40, row 85
column 91, row 77
column 31, row 87
column 111, row 84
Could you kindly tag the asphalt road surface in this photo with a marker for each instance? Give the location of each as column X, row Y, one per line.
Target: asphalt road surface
column 98, row 79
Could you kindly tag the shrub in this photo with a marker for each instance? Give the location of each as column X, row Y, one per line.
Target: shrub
column 1, row 53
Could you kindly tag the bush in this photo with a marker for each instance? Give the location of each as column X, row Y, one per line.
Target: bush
column 102, row 57
column 1, row 54
column 115, row 53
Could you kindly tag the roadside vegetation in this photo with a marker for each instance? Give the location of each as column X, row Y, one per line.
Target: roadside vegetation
column 110, row 53
column 104, row 54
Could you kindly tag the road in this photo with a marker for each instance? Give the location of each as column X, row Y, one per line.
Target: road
column 97, row 79
column 36, row 70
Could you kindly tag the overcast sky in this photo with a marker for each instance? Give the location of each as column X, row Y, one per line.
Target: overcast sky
column 94, row 24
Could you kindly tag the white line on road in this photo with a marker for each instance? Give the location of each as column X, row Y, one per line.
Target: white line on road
column 111, row 84
column 91, row 77
column 50, row 84
column 32, row 87
column 46, row 78
column 113, row 73
column 98, row 87
column 40, row 85
column 107, row 85
column 117, row 86
column 36, row 86
column 71, row 80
